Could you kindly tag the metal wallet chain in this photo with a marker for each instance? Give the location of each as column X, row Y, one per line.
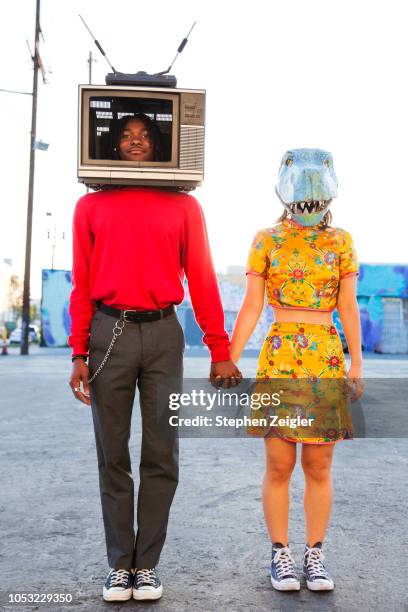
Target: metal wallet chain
column 117, row 330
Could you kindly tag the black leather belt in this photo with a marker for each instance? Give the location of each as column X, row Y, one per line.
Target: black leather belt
column 136, row 316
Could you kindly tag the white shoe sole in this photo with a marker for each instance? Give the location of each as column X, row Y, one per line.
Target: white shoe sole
column 317, row 585
column 292, row 585
column 117, row 595
column 147, row 594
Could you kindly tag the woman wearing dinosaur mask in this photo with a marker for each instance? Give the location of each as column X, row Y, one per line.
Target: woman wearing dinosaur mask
column 307, row 268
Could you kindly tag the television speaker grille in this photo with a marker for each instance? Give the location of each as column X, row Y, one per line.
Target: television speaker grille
column 191, row 148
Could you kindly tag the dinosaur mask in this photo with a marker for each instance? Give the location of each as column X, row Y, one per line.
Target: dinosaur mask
column 307, row 184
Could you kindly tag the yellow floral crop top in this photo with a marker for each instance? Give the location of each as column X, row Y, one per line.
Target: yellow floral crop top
column 302, row 266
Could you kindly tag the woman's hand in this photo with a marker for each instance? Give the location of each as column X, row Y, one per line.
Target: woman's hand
column 355, row 382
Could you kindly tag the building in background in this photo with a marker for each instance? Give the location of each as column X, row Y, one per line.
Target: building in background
column 382, row 297
column 6, row 274
column 11, row 298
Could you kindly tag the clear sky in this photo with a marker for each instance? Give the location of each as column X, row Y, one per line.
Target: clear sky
column 278, row 75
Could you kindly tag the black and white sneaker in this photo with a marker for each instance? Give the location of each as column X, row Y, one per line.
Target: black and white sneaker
column 118, row 585
column 316, row 574
column 283, row 576
column 147, row 585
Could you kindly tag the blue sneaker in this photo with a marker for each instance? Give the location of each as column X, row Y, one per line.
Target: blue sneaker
column 147, row 585
column 283, row 576
column 316, row 574
column 118, row 585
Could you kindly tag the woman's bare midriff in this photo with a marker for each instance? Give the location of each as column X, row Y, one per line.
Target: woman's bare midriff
column 294, row 315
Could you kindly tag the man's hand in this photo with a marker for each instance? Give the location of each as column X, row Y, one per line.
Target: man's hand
column 80, row 373
column 224, row 374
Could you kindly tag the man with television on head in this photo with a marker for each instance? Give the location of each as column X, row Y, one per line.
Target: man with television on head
column 131, row 249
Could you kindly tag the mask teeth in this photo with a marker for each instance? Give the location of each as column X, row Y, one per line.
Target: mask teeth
column 308, row 207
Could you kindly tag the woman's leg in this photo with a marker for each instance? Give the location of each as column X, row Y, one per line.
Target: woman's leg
column 316, row 463
column 280, row 461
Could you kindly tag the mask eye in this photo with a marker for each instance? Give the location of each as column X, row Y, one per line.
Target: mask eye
column 327, row 163
column 289, row 161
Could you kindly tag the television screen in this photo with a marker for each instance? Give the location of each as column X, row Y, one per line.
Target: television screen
column 141, row 136
column 135, row 129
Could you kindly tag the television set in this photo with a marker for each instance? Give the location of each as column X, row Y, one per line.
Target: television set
column 178, row 117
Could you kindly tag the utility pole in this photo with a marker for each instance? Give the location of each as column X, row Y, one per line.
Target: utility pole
column 27, row 269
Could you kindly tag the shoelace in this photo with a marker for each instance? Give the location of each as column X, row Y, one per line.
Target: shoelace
column 146, row 576
column 313, row 559
column 284, row 562
column 119, row 577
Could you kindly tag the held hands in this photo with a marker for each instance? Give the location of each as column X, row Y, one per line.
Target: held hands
column 80, row 373
column 224, row 374
column 355, row 382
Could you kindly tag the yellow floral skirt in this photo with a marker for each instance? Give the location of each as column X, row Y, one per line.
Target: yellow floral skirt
column 301, row 393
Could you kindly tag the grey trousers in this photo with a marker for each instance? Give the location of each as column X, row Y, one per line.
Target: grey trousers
column 149, row 355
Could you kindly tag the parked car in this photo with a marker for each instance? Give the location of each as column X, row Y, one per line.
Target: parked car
column 33, row 335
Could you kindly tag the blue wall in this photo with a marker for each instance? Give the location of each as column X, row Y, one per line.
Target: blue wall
column 55, row 319
column 375, row 282
column 386, row 280
column 378, row 281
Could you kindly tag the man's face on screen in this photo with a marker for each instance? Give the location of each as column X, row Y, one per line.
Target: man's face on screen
column 135, row 143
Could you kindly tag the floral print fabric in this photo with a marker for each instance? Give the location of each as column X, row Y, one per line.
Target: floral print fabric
column 302, row 266
column 304, row 363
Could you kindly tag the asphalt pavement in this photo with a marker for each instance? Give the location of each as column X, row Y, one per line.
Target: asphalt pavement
column 217, row 552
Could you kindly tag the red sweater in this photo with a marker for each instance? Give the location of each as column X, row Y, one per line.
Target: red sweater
column 131, row 248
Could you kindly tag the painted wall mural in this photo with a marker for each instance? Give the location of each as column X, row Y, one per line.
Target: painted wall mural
column 55, row 319
column 382, row 298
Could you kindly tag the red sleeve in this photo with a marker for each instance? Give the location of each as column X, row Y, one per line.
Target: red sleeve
column 81, row 307
column 202, row 283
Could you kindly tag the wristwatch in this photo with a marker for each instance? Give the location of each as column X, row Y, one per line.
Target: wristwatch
column 84, row 357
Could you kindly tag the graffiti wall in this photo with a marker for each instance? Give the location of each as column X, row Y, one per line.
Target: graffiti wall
column 382, row 298
column 55, row 319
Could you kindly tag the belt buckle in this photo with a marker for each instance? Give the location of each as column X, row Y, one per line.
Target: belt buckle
column 124, row 315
